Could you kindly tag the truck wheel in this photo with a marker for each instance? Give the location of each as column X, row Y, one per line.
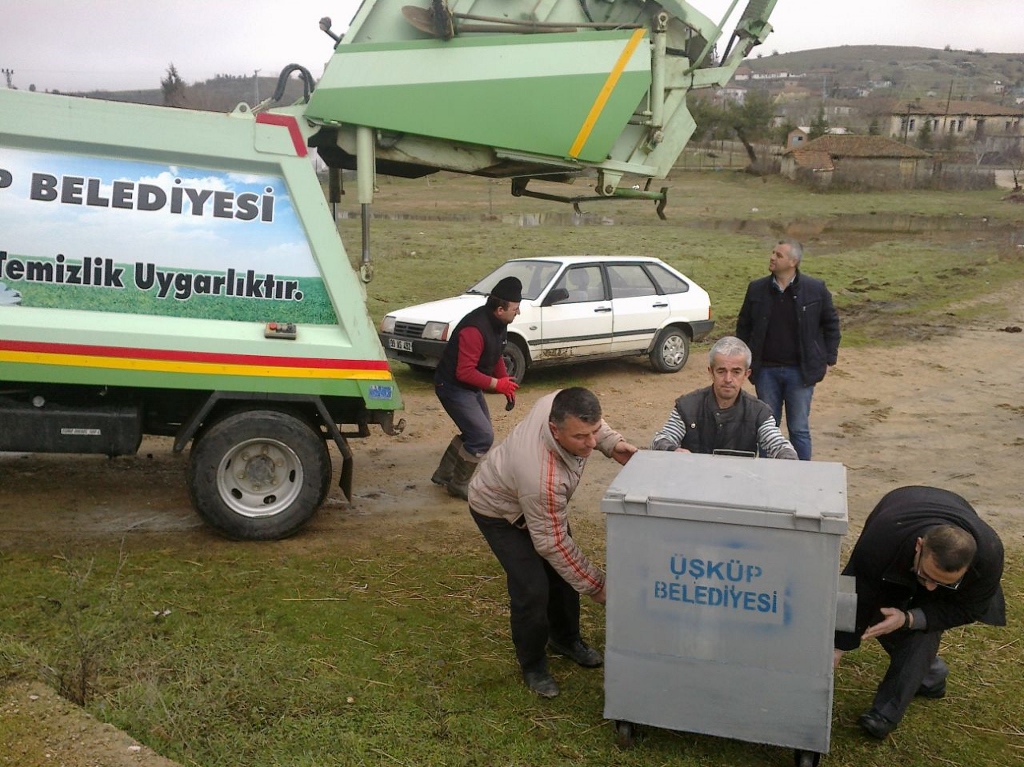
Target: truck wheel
column 515, row 360
column 671, row 350
column 259, row 475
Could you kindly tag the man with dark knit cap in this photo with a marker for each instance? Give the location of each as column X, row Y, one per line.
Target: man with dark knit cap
column 472, row 363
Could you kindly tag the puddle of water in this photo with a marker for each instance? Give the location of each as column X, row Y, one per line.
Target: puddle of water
column 854, row 223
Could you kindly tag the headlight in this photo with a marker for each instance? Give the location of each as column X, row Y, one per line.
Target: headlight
column 387, row 325
column 436, row 331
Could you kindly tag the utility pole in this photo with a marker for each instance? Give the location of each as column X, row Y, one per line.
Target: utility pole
column 9, row 74
column 256, row 77
column 949, row 99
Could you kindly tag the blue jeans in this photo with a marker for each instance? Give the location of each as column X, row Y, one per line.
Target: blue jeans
column 778, row 386
column 468, row 408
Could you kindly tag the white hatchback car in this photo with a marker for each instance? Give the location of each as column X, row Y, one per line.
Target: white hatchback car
column 574, row 309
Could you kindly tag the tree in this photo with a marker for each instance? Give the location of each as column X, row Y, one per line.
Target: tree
column 173, row 88
column 924, row 136
column 709, row 117
column 752, row 120
column 783, row 131
column 874, row 129
column 819, row 126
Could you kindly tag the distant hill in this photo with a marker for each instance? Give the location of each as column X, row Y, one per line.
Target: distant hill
column 851, row 72
column 218, row 94
column 909, row 71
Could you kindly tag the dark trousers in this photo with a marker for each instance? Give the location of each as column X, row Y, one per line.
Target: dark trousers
column 542, row 604
column 913, row 664
column 468, row 408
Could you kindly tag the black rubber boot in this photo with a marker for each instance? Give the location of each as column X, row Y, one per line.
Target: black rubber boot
column 465, row 465
column 445, row 469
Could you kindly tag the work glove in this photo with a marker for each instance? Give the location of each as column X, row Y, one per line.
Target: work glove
column 510, row 402
column 506, row 386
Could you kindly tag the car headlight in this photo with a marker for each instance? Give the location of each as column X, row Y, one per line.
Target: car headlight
column 436, row 331
column 387, row 325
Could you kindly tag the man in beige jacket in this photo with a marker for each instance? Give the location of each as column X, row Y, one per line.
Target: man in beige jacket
column 518, row 499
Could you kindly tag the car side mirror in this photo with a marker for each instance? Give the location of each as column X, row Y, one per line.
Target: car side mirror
column 556, row 295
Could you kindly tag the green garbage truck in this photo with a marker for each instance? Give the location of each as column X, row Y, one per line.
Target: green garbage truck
column 179, row 273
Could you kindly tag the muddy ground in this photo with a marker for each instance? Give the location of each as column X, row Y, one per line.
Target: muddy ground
column 942, row 407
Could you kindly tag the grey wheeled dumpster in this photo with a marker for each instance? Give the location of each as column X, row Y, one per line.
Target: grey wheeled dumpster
column 723, row 578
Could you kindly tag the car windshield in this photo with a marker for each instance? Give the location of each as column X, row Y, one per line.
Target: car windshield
column 535, row 276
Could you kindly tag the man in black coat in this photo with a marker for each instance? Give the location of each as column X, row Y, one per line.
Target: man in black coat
column 792, row 328
column 925, row 562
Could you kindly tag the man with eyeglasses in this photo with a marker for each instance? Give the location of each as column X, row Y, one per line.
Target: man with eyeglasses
column 925, row 562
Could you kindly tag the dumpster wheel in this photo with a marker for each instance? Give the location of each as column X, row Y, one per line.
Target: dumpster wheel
column 806, row 758
column 625, row 733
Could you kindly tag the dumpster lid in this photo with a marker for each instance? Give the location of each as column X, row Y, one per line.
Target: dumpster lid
column 695, row 486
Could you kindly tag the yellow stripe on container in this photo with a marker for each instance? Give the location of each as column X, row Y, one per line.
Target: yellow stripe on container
column 605, row 93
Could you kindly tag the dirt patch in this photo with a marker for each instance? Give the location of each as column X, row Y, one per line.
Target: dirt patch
column 53, row 732
column 943, row 411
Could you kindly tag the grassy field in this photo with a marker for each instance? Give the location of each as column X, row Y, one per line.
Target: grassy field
column 900, row 265
column 249, row 655
column 393, row 650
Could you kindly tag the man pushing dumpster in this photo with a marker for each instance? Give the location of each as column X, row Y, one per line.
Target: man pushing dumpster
column 722, row 417
column 518, row 499
column 925, row 562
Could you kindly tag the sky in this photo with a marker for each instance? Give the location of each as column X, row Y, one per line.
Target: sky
column 75, row 45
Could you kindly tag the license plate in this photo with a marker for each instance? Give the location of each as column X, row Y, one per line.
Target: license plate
column 400, row 345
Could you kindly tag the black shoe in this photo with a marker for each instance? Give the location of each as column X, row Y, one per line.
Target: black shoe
column 936, row 692
column 579, row 651
column 875, row 725
column 542, row 683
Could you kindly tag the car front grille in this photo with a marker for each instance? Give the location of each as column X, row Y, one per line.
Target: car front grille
column 408, row 330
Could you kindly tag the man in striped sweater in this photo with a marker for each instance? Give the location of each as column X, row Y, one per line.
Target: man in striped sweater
column 519, row 499
column 722, row 418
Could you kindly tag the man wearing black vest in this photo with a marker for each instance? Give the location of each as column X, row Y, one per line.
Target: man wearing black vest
column 472, row 363
column 722, row 417
column 792, row 328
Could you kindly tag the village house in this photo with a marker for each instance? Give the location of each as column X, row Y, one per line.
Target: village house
column 1000, row 127
column 800, row 135
column 871, row 161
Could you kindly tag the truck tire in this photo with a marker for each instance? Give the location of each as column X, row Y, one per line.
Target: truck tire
column 258, row 475
column 671, row 350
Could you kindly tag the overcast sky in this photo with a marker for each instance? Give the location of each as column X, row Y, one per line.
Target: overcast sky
column 73, row 45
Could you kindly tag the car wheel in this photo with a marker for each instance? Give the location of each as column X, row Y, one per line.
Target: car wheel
column 259, row 475
column 671, row 350
column 515, row 361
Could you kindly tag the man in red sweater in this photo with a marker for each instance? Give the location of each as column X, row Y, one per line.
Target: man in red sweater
column 472, row 363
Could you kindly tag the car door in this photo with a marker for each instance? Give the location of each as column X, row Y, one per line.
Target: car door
column 637, row 308
column 580, row 325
